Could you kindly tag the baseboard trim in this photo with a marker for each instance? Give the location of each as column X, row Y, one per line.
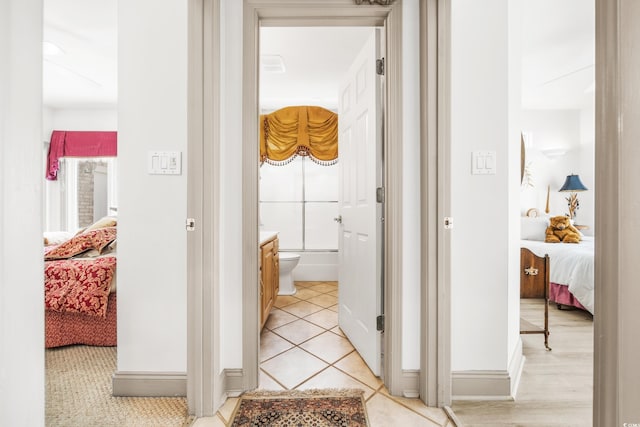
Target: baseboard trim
column 149, row 384
column 410, row 385
column 481, row 385
column 515, row 368
column 233, row 380
column 489, row 385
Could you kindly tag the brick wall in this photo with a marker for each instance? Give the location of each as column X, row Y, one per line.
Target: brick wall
column 85, row 191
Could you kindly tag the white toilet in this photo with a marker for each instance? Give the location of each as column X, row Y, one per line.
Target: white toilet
column 288, row 262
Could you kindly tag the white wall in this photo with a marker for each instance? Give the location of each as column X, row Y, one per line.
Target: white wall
column 483, row 327
column 21, row 265
column 152, row 115
column 515, row 17
column 587, row 168
column 87, row 119
column 572, row 132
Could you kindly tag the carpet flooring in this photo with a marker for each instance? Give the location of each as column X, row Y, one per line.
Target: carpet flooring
column 78, row 393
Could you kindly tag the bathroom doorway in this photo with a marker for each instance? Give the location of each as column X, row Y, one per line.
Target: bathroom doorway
column 304, row 199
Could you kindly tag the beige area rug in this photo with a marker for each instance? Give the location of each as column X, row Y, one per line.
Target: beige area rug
column 78, row 393
column 318, row 408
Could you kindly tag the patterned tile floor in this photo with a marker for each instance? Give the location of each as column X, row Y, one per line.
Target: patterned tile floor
column 302, row 331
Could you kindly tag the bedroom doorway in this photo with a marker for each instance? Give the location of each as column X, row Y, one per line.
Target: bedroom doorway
column 79, row 110
column 307, row 201
column 559, row 86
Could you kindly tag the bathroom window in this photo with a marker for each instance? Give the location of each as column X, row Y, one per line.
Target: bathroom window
column 300, row 200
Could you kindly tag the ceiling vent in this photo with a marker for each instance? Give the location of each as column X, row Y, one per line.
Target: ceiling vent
column 272, row 64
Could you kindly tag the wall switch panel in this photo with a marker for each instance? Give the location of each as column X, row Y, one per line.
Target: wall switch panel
column 483, row 162
column 165, row 163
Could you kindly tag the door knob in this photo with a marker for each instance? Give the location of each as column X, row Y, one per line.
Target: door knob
column 338, row 219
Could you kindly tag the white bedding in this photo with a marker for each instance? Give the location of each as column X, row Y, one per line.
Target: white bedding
column 571, row 264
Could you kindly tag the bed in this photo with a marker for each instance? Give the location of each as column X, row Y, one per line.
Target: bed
column 80, row 289
column 571, row 274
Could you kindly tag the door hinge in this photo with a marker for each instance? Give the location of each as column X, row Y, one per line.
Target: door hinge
column 380, row 323
column 380, row 66
column 190, row 224
column 380, row 194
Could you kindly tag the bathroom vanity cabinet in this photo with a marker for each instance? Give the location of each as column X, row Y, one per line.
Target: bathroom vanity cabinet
column 269, row 276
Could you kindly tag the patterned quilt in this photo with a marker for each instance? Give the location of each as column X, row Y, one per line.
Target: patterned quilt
column 79, row 285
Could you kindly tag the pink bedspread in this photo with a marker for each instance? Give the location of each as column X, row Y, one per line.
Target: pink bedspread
column 79, row 285
column 76, row 328
column 560, row 294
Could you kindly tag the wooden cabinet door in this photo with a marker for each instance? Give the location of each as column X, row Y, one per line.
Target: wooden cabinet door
column 276, row 269
column 267, row 281
column 276, row 276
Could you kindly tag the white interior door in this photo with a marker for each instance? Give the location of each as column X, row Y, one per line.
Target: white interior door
column 360, row 144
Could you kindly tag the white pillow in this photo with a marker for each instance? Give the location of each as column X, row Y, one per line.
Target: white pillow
column 56, row 237
column 533, row 228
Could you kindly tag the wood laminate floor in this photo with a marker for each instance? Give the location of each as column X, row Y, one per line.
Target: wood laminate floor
column 556, row 387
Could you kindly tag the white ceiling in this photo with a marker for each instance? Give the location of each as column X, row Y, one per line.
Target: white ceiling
column 85, row 74
column 315, row 61
column 557, row 56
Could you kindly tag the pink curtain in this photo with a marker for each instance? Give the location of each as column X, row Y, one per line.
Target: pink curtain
column 79, row 144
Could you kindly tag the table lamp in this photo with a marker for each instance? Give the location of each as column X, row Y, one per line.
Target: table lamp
column 573, row 185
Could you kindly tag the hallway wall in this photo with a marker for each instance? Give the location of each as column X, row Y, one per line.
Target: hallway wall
column 21, row 176
column 152, row 115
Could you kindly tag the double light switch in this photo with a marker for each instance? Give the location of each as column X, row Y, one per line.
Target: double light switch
column 483, row 162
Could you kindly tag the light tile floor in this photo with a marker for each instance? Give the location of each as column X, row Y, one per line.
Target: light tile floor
column 302, row 332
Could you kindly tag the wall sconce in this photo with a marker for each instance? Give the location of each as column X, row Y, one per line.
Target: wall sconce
column 554, row 153
column 573, row 185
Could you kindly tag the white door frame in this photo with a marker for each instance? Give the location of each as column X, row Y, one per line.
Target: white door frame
column 205, row 386
column 337, row 13
column 303, row 13
column 435, row 205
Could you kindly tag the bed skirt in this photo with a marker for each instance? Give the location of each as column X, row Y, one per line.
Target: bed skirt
column 560, row 295
column 75, row 328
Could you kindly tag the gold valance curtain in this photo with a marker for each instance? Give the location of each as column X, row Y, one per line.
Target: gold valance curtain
column 299, row 131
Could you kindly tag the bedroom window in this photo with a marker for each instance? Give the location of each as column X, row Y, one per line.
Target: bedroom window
column 300, row 200
column 84, row 192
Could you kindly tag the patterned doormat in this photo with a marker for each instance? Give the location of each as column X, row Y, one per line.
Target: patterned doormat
column 331, row 407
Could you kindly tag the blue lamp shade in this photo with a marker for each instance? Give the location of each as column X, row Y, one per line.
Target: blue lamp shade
column 573, row 184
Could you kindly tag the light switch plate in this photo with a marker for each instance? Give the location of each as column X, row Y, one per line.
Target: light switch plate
column 483, row 162
column 165, row 163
